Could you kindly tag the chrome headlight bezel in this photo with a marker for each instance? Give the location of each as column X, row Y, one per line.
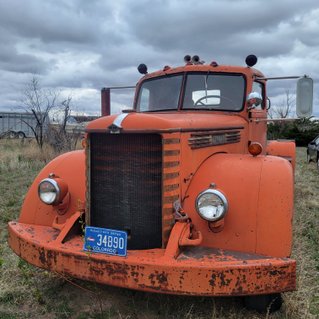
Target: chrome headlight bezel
column 57, row 190
column 220, row 196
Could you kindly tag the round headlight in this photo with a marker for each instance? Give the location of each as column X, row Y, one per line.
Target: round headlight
column 211, row 205
column 49, row 191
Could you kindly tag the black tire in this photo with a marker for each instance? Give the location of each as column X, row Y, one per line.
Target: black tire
column 21, row 135
column 308, row 158
column 12, row 134
column 318, row 163
column 263, row 303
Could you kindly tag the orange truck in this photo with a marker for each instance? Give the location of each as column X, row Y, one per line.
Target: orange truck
column 183, row 194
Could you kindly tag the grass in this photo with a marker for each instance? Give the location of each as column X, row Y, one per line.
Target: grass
column 28, row 292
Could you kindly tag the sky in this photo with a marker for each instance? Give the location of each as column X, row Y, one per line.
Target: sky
column 76, row 47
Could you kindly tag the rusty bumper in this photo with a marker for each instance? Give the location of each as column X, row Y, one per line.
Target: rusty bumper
column 192, row 271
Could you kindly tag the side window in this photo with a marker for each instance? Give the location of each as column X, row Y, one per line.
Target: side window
column 258, row 87
column 144, row 99
column 317, row 141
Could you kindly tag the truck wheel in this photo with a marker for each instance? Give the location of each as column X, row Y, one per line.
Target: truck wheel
column 308, row 158
column 12, row 134
column 21, row 135
column 318, row 164
column 263, row 303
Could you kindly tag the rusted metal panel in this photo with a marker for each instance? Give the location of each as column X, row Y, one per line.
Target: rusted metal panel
column 171, row 182
column 220, row 272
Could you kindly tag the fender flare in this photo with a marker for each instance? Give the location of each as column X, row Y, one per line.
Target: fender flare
column 259, row 192
column 283, row 148
column 71, row 168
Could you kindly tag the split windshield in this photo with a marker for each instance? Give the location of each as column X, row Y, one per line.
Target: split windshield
column 203, row 91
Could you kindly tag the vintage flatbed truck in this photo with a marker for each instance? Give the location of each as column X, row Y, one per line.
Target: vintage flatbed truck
column 181, row 195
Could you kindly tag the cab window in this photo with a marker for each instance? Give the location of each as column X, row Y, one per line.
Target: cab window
column 214, row 92
column 258, row 87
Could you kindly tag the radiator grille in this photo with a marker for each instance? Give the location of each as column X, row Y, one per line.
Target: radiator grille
column 126, row 186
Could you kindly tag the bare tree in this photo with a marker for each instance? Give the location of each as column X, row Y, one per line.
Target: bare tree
column 60, row 136
column 66, row 109
column 39, row 102
column 285, row 109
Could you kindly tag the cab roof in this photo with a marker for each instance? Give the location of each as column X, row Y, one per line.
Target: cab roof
column 249, row 72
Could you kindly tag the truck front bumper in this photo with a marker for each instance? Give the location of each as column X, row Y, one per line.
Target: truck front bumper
column 187, row 270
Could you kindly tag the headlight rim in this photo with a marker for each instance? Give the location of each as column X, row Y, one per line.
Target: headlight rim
column 220, row 195
column 56, row 187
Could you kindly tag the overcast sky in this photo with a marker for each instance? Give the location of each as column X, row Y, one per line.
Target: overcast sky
column 79, row 46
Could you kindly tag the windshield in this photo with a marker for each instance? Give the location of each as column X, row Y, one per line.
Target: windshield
column 214, row 92
column 203, row 91
column 160, row 94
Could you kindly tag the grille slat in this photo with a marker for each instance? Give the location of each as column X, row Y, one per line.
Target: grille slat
column 126, row 186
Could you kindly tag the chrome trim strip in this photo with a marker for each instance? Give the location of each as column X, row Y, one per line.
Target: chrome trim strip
column 119, row 120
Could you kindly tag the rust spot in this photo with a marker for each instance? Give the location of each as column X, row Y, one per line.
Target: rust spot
column 223, row 280
column 30, row 230
column 134, row 275
column 162, row 278
column 42, row 256
column 158, row 279
column 275, row 272
column 212, row 280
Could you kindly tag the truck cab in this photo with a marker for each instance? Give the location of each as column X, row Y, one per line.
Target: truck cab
column 183, row 194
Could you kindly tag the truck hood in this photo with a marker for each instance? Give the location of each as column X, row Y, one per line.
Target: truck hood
column 173, row 121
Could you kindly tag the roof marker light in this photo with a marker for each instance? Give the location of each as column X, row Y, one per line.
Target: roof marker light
column 142, row 68
column 251, row 60
column 187, row 59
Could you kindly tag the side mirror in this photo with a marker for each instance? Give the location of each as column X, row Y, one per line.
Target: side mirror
column 304, row 97
column 254, row 99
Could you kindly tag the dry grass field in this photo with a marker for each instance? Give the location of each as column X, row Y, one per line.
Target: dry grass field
column 28, row 292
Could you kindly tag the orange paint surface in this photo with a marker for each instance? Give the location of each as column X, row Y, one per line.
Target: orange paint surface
column 248, row 254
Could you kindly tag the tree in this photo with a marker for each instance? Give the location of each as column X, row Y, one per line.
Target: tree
column 281, row 116
column 285, row 109
column 60, row 136
column 39, row 102
column 42, row 103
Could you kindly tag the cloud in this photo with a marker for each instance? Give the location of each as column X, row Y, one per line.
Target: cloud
column 82, row 46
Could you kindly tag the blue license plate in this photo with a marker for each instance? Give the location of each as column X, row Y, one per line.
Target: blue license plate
column 106, row 241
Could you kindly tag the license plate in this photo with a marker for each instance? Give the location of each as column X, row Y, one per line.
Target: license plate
column 105, row 241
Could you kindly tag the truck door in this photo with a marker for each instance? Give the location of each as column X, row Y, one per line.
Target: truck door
column 258, row 117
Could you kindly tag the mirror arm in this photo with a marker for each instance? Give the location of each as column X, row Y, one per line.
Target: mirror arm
column 269, row 105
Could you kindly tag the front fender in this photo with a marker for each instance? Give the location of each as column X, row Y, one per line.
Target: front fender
column 71, row 168
column 260, row 195
column 284, row 149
